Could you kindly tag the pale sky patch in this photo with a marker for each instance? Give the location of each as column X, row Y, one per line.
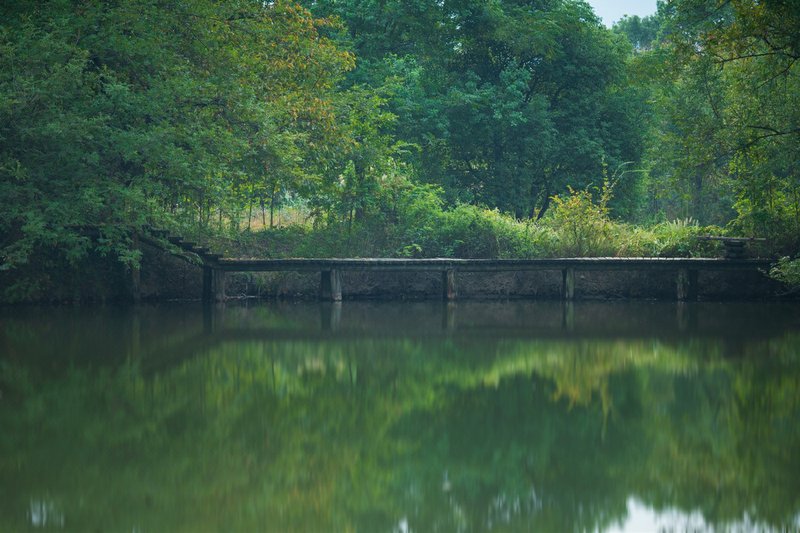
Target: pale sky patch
column 613, row 10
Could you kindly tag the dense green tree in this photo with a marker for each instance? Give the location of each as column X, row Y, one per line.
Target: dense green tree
column 642, row 32
column 117, row 115
column 728, row 134
column 507, row 101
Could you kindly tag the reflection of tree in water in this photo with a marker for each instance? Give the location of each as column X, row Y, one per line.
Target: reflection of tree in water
column 369, row 434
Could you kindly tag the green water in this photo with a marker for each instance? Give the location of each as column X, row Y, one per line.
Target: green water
column 401, row 417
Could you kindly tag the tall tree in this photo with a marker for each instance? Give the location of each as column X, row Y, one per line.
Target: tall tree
column 509, row 101
column 732, row 109
column 117, row 115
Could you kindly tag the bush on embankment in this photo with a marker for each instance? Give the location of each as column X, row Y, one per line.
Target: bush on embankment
column 412, row 221
column 787, row 271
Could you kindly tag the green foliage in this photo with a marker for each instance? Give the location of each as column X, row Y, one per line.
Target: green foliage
column 509, row 101
column 787, row 271
column 583, row 224
column 726, row 136
column 470, row 231
column 678, row 238
column 117, row 116
column 410, row 220
column 642, row 32
column 768, row 202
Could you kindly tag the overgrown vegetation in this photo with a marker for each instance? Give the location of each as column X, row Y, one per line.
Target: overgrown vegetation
column 412, row 220
column 787, row 271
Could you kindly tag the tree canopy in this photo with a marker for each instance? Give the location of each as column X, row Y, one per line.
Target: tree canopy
column 507, row 102
column 117, row 115
column 727, row 133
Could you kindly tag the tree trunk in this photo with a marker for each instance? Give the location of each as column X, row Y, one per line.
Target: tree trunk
column 698, row 208
column 263, row 212
column 272, row 210
column 545, row 206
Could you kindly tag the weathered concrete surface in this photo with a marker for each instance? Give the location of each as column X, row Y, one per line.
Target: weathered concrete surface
column 736, row 284
column 165, row 277
column 568, row 278
column 545, row 285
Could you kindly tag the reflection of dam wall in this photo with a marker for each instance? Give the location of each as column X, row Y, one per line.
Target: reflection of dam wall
column 163, row 335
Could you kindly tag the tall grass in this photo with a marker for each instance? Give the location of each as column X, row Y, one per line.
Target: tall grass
column 412, row 221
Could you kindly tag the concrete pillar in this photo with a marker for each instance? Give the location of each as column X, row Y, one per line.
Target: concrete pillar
column 568, row 285
column 330, row 287
column 219, row 277
column 449, row 287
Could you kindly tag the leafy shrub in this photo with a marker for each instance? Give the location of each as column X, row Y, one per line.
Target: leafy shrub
column 583, row 226
column 470, row 231
column 679, row 238
column 787, row 271
column 635, row 241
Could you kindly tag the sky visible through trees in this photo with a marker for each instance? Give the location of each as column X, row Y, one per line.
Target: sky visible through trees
column 611, row 11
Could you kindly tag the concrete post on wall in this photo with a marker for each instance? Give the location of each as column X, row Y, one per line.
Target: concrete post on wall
column 213, row 284
column 220, row 276
column 449, row 288
column 568, row 283
column 687, row 285
column 330, row 287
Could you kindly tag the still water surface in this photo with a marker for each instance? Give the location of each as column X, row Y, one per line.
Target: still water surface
column 399, row 417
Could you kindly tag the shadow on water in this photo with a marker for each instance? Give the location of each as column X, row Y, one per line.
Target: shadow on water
column 110, row 334
column 468, row 416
